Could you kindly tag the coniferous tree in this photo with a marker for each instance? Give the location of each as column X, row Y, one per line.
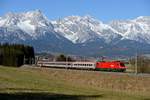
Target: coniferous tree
column 15, row 54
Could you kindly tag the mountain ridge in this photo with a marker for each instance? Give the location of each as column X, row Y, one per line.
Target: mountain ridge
column 74, row 34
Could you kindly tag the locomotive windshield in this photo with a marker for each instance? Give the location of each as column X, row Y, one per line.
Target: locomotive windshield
column 122, row 64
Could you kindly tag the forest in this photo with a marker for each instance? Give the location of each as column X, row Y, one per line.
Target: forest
column 16, row 54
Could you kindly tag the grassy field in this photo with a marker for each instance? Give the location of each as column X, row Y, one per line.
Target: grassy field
column 61, row 84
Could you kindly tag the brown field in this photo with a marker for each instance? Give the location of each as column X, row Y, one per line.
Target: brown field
column 102, row 80
column 56, row 83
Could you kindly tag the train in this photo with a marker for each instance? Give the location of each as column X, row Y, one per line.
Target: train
column 116, row 66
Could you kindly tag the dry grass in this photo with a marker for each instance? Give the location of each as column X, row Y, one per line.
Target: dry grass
column 98, row 80
column 77, row 84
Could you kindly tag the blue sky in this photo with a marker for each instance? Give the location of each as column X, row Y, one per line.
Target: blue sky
column 105, row 10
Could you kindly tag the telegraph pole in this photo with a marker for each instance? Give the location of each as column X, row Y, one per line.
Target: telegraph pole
column 136, row 64
column 66, row 61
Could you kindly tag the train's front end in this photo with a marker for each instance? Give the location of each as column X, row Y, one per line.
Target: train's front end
column 111, row 66
column 122, row 67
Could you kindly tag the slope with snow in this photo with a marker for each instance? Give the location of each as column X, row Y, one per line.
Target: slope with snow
column 76, row 34
column 28, row 22
column 31, row 28
column 137, row 29
column 83, row 29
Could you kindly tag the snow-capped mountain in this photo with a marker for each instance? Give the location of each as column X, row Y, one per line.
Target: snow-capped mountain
column 137, row 29
column 84, row 29
column 28, row 22
column 76, row 34
column 31, row 28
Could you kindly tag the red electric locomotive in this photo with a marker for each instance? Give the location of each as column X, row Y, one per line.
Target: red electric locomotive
column 110, row 66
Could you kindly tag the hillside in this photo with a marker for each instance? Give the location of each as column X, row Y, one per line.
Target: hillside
column 62, row 84
column 81, row 34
